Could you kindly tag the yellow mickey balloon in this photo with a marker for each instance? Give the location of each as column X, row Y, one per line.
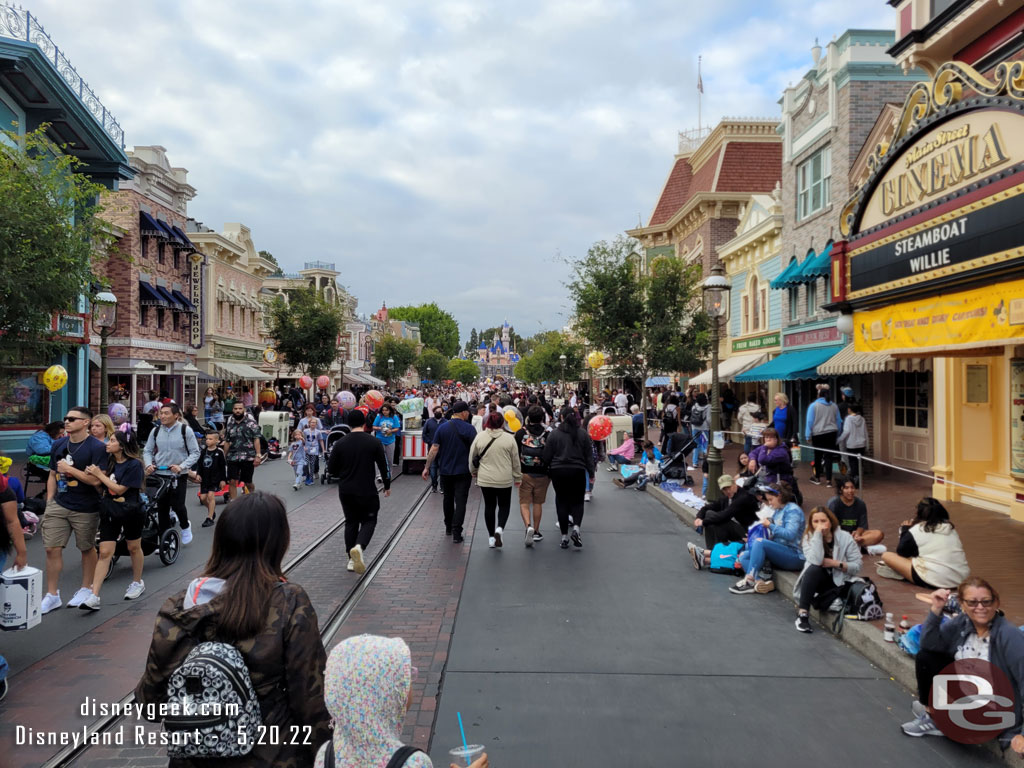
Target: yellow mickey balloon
column 55, row 377
column 514, row 424
column 595, row 360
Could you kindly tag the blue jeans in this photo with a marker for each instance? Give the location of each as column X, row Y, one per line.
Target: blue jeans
column 613, row 460
column 748, row 443
column 779, row 555
column 435, row 473
column 701, row 448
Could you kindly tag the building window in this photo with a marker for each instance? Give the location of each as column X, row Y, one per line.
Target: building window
column 159, row 318
column 144, row 243
column 755, row 299
column 812, row 298
column 144, row 316
column 174, row 321
column 911, row 397
column 938, row 6
column 746, row 314
column 794, row 303
column 764, row 308
column 160, row 252
column 176, row 259
column 813, row 190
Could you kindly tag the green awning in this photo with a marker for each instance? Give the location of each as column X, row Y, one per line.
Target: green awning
column 788, row 274
column 816, row 266
column 789, row 366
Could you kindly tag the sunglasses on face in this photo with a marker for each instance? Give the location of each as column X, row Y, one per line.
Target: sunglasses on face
column 987, row 603
column 75, row 418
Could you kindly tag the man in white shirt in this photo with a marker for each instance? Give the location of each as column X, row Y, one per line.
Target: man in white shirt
column 621, row 401
column 572, row 400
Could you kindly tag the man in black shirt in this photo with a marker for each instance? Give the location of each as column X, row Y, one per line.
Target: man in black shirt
column 852, row 514
column 724, row 520
column 353, row 461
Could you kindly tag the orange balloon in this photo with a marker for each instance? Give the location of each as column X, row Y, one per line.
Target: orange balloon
column 305, row 382
column 374, row 399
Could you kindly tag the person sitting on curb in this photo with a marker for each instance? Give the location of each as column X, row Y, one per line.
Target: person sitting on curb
column 624, row 454
column 782, row 549
column 650, row 469
column 929, row 553
column 724, row 520
column 852, row 514
column 831, row 560
column 980, row 632
column 776, row 461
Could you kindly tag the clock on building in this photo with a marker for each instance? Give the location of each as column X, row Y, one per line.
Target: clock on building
column 270, row 355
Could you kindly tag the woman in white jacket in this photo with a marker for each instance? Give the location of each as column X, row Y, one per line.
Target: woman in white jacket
column 832, row 559
column 929, row 552
column 494, row 462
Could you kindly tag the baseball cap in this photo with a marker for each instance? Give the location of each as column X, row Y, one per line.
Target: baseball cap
column 725, row 481
column 848, row 391
column 461, row 406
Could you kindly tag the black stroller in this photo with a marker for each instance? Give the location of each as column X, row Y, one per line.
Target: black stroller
column 678, row 447
column 166, row 543
column 337, row 432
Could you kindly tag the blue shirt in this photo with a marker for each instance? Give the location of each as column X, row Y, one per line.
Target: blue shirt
column 393, row 422
column 779, row 420
column 453, row 439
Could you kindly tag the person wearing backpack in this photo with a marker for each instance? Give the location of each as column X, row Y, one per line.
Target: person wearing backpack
column 570, row 461
column 533, row 490
column 171, row 451
column 242, row 624
column 831, row 559
column 700, row 423
column 494, row 462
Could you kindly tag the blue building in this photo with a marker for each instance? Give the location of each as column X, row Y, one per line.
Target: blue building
column 38, row 85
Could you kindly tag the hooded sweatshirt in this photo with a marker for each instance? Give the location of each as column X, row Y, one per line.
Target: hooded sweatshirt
column 855, row 432
column 367, row 683
column 285, row 659
column 499, row 466
column 937, row 556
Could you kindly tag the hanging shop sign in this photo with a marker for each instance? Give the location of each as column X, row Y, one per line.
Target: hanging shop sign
column 1017, row 417
column 196, row 278
column 981, row 316
column 828, row 335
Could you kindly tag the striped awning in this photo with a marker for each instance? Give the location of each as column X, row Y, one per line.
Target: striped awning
column 238, row 371
column 849, row 361
column 728, row 369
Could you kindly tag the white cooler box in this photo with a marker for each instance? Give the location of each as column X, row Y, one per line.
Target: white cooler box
column 276, row 424
column 21, row 594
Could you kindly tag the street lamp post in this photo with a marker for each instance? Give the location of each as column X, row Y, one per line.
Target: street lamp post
column 561, row 359
column 391, row 376
column 716, row 303
column 429, row 369
column 104, row 315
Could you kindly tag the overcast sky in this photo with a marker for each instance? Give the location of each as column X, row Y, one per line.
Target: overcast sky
column 446, row 150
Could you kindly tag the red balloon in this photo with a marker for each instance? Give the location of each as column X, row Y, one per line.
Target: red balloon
column 599, row 428
column 323, row 382
column 365, row 411
column 374, row 399
column 305, row 382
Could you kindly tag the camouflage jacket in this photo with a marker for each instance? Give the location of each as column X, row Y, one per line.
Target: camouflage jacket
column 241, row 438
column 286, row 662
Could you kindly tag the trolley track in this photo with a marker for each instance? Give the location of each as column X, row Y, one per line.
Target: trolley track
column 329, row 627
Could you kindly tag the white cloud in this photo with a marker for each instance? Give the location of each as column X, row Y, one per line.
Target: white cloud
column 445, row 150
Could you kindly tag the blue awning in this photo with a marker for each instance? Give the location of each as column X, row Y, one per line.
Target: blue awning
column 183, row 300
column 785, row 280
column 169, row 298
column 816, row 266
column 801, row 364
column 150, row 227
column 169, row 229
column 657, row 381
column 149, row 295
column 186, row 243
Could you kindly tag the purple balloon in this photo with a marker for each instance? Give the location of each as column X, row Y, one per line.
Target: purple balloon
column 117, row 413
column 347, row 400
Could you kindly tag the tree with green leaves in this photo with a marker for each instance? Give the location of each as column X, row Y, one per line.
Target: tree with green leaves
column 49, row 236
column 435, row 361
column 473, row 343
column 545, row 363
column 438, row 328
column 305, row 330
column 645, row 321
column 465, row 371
column 402, row 351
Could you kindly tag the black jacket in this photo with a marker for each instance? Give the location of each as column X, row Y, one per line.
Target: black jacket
column 563, row 450
column 742, row 508
column 430, row 429
column 352, row 461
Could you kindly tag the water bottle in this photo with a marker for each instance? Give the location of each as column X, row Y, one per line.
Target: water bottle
column 62, row 483
column 889, row 629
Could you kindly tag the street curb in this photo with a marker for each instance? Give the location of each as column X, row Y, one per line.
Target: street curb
column 863, row 636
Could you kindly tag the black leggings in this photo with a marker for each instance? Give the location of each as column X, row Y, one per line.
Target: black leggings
column 818, row 588
column 173, row 498
column 569, row 485
column 496, row 497
column 823, row 461
column 927, row 664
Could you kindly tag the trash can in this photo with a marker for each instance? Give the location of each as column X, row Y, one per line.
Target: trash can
column 275, row 424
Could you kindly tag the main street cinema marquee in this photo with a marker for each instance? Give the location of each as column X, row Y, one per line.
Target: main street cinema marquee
column 940, row 220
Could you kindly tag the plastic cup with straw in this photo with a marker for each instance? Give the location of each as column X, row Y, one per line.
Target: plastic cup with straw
column 467, row 753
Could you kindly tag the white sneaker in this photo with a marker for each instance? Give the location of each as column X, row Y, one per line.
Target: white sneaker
column 50, row 602
column 296, row 486
column 490, row 542
column 356, row 553
column 529, row 536
column 91, row 603
column 351, row 566
column 497, row 536
column 135, row 589
column 877, row 549
column 186, row 535
column 79, row 597
column 586, row 496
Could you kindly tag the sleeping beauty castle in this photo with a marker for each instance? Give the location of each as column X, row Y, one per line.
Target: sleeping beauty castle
column 499, row 358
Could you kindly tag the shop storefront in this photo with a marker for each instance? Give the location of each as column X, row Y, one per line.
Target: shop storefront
column 933, row 269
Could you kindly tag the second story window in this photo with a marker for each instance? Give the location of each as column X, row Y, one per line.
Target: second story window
column 159, row 318
column 794, row 304
column 813, row 183
column 938, row 6
column 144, row 242
column 160, row 251
column 812, row 298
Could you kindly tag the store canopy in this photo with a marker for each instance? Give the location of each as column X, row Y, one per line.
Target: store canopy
column 235, row 371
column 183, row 300
column 785, row 280
column 728, row 369
column 149, row 227
column 149, row 295
column 657, row 381
column 172, row 302
column 183, row 238
column 354, row 378
column 802, row 364
column 849, row 361
column 175, row 239
column 816, row 265
column 374, row 380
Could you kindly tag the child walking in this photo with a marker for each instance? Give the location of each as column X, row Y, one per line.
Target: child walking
column 211, row 472
column 297, row 457
column 314, row 440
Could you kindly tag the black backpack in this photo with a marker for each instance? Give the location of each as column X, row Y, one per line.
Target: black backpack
column 397, row 760
column 862, row 602
column 532, row 449
column 697, row 417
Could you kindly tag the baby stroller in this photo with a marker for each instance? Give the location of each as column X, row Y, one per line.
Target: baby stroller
column 273, row 448
column 677, row 448
column 337, row 432
column 167, row 543
column 37, row 472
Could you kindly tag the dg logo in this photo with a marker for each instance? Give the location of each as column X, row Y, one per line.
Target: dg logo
column 972, row 701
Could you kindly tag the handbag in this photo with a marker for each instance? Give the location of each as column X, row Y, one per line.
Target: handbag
column 479, row 456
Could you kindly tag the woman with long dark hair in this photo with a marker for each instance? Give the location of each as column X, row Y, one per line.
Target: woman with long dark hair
column 929, row 552
column 570, row 460
column 242, row 598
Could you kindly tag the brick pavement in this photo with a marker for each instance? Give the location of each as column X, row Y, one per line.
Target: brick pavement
column 106, row 663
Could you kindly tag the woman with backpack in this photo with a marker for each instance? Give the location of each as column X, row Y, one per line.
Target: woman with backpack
column 258, row 625
column 533, row 490
column 700, row 423
column 831, row 559
column 494, row 462
column 570, row 461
